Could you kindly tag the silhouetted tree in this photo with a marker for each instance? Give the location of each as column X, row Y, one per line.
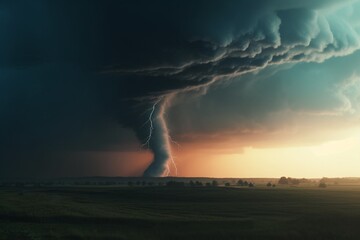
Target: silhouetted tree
column 251, row 185
column 283, row 180
column 227, row 184
column 273, row 185
column 208, row 184
column 214, row 183
column 198, row 183
column 269, row 184
column 240, row 182
column 246, row 183
column 322, row 185
column 192, row 183
column 130, row 184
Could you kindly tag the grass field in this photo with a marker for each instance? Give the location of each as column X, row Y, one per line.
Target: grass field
column 179, row 213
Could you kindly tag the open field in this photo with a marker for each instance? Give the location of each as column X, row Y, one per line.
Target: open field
column 180, row 213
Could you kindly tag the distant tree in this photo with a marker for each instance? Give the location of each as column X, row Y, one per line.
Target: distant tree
column 150, row 183
column 192, row 183
column 251, row 185
column 227, row 184
column 322, row 185
column 198, row 183
column 304, row 180
column 269, row 184
column 273, row 185
column 143, row 183
column 240, row 182
column 246, row 183
column 130, row 184
column 208, row 184
column 138, row 183
column 294, row 181
column 175, row 184
column 283, row 180
column 324, row 180
column 214, row 183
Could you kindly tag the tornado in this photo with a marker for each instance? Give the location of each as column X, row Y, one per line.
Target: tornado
column 158, row 141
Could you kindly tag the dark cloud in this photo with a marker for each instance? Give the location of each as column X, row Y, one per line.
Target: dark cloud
column 73, row 71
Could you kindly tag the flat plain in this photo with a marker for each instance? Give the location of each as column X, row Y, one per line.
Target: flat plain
column 160, row 212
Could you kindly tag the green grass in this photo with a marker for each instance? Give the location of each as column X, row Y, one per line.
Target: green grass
column 179, row 213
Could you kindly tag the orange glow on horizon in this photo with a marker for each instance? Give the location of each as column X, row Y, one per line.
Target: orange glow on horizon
column 337, row 158
column 331, row 159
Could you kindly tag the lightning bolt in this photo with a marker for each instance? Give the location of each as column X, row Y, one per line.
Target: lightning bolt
column 150, row 120
column 172, row 158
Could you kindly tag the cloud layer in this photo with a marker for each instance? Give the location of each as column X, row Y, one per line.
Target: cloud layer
column 79, row 75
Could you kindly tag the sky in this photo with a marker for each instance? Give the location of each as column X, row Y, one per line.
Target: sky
column 253, row 88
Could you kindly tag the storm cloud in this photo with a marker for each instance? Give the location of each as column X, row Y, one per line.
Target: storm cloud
column 73, row 72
